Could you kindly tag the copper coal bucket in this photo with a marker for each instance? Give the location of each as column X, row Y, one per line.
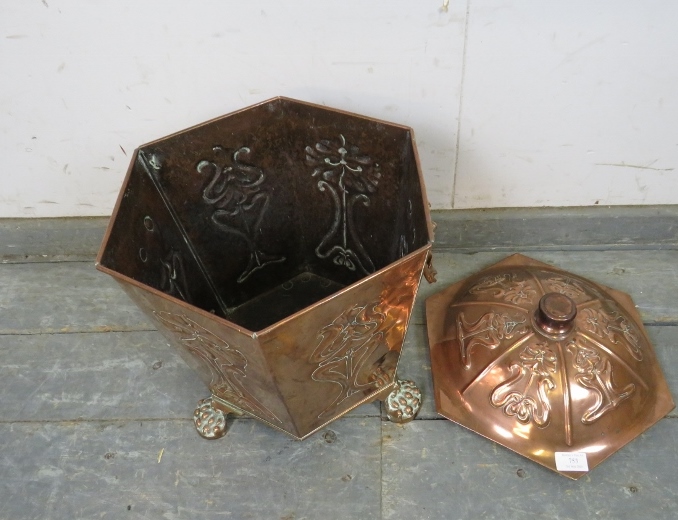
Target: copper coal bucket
column 279, row 249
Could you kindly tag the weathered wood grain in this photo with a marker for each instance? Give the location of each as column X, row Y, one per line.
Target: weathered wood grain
column 50, row 239
column 437, row 469
column 590, row 228
column 415, row 364
column 91, row 395
column 74, row 297
column 64, row 297
column 118, row 375
column 598, row 228
column 162, row 469
column 665, row 342
column 650, row 277
column 55, row 377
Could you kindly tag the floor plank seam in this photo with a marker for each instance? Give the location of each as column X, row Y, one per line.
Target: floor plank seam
column 441, row 248
column 114, row 420
column 146, row 419
column 550, row 249
column 381, row 462
column 10, row 260
column 62, row 333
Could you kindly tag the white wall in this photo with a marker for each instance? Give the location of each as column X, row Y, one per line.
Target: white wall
column 569, row 103
column 513, row 104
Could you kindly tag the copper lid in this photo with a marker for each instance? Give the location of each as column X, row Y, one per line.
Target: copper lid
column 544, row 362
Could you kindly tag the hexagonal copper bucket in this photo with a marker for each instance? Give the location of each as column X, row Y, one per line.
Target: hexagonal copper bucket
column 280, row 249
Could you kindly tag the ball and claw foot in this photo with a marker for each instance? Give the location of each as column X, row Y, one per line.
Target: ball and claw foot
column 404, row 402
column 209, row 421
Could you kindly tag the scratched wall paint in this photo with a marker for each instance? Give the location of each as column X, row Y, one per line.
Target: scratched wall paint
column 84, row 81
column 569, row 103
column 551, row 97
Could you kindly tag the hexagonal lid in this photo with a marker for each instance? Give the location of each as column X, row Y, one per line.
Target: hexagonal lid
column 544, row 362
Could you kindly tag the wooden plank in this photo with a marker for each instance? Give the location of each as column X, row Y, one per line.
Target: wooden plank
column 64, row 297
column 162, row 469
column 51, row 239
column 415, row 363
column 51, row 377
column 665, row 342
column 610, row 227
column 592, row 228
column 84, row 415
column 122, row 375
column 437, row 469
column 650, row 277
column 74, row 297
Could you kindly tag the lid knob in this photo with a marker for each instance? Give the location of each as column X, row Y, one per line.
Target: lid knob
column 555, row 314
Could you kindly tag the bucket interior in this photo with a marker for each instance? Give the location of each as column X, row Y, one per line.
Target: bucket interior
column 261, row 213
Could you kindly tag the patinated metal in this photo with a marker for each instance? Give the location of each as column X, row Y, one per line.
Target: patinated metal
column 544, row 362
column 404, row 402
column 280, row 249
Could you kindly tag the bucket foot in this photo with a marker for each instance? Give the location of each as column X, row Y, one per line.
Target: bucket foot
column 404, row 402
column 209, row 420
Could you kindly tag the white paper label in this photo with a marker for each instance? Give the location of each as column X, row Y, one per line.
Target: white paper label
column 571, row 461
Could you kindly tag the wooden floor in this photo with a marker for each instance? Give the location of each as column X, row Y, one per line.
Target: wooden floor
column 95, row 408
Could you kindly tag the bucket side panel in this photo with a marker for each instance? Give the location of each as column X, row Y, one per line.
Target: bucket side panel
column 343, row 351
column 235, row 203
column 229, row 361
column 144, row 244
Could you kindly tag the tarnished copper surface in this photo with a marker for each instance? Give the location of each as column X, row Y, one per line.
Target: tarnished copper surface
column 544, row 362
column 280, row 249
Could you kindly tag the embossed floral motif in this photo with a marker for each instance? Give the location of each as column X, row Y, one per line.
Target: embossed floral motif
column 408, row 238
column 488, row 332
column 505, row 287
column 349, row 177
column 227, row 364
column 525, row 395
column 343, row 165
column 594, row 372
column 564, row 285
column 344, row 346
column 614, row 328
column 173, row 277
column 237, row 194
column 172, row 270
